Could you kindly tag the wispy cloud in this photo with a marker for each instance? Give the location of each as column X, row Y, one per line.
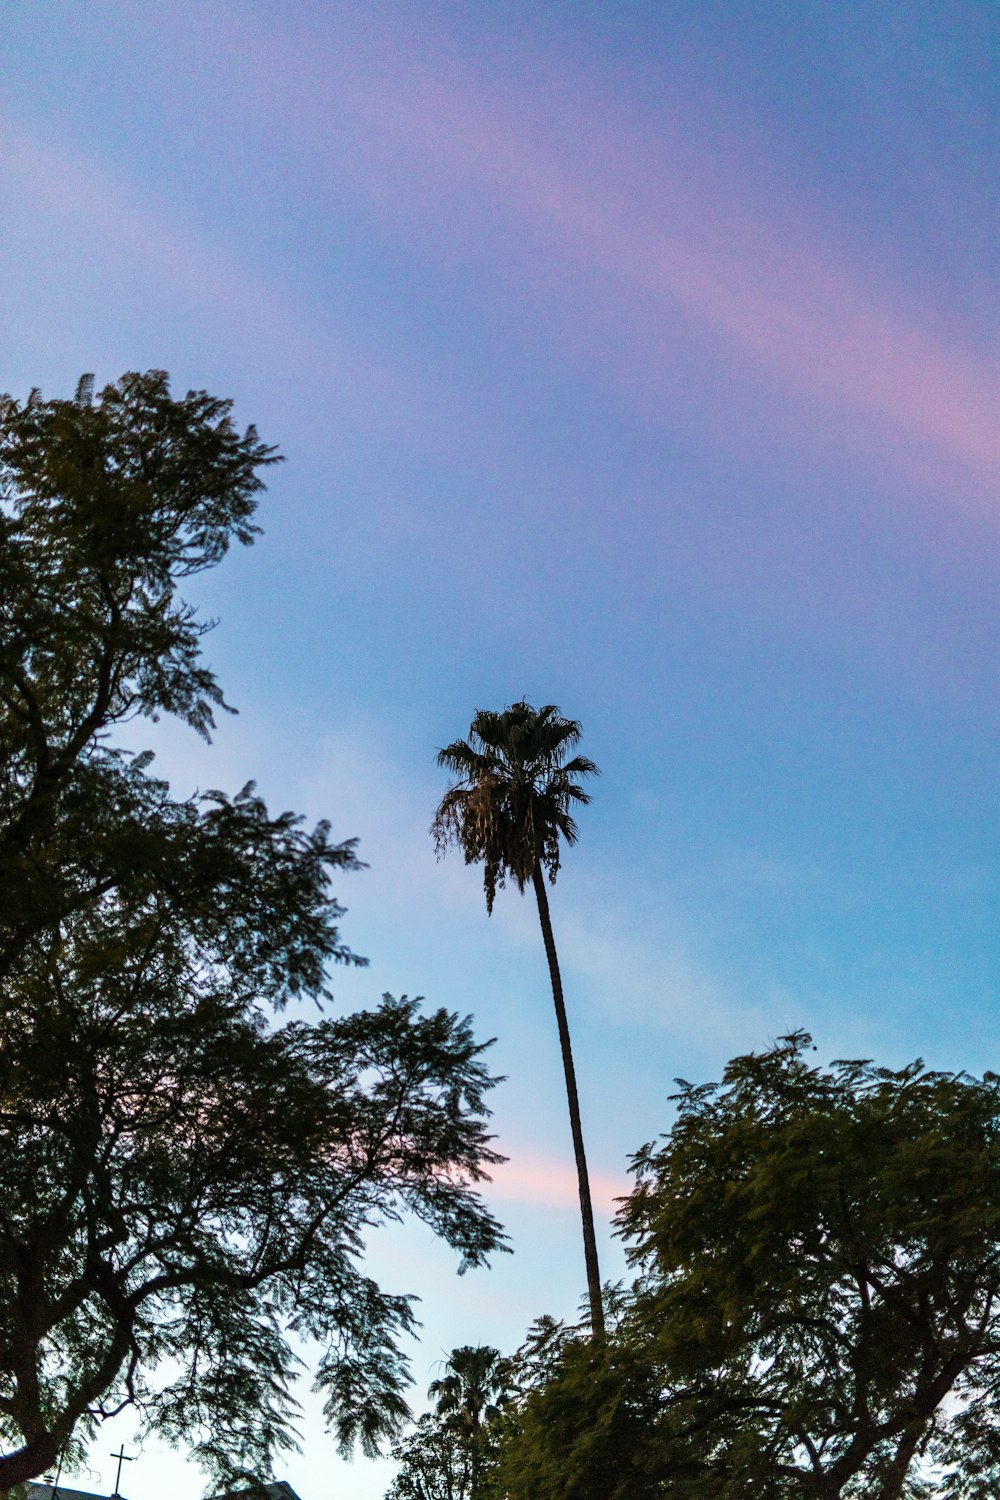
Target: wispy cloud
column 552, row 1183
column 635, row 232
column 636, row 242
column 637, row 250
column 632, row 970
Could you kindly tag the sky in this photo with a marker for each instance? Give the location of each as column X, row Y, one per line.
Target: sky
column 640, row 358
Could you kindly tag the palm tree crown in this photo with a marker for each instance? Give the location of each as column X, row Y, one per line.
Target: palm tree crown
column 474, row 1389
column 511, row 803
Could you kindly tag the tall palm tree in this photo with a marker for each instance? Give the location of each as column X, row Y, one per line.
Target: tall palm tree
column 508, row 809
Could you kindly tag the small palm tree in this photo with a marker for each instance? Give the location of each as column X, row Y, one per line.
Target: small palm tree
column 474, row 1388
column 469, row 1398
column 508, row 810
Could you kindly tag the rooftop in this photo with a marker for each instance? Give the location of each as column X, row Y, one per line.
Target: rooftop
column 278, row 1490
column 33, row 1491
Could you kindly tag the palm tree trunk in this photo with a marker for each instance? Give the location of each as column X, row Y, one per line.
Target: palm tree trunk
column 583, row 1179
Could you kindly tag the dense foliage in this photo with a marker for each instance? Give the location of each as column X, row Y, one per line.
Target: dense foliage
column 184, row 1183
column 816, row 1311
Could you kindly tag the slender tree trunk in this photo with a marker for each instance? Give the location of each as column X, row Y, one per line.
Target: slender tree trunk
column 586, row 1210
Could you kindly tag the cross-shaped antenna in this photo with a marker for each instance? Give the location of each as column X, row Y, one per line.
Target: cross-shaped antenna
column 123, row 1458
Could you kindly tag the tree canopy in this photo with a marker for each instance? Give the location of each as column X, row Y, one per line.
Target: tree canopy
column 816, row 1310
column 186, row 1183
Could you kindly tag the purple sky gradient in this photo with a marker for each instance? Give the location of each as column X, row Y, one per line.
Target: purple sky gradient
column 641, row 358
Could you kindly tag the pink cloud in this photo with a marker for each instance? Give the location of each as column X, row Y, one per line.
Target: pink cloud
column 540, row 1179
column 633, row 246
column 664, row 241
column 623, row 244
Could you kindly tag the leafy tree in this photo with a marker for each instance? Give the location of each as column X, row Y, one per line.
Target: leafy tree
column 817, row 1306
column 104, row 508
column 508, row 810
column 185, row 1184
column 433, row 1463
column 583, row 1420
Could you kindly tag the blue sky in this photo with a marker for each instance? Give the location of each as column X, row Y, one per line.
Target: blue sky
column 639, row 358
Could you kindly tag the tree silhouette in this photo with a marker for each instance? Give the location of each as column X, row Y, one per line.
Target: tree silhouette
column 508, row 811
column 187, row 1184
column 815, row 1310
